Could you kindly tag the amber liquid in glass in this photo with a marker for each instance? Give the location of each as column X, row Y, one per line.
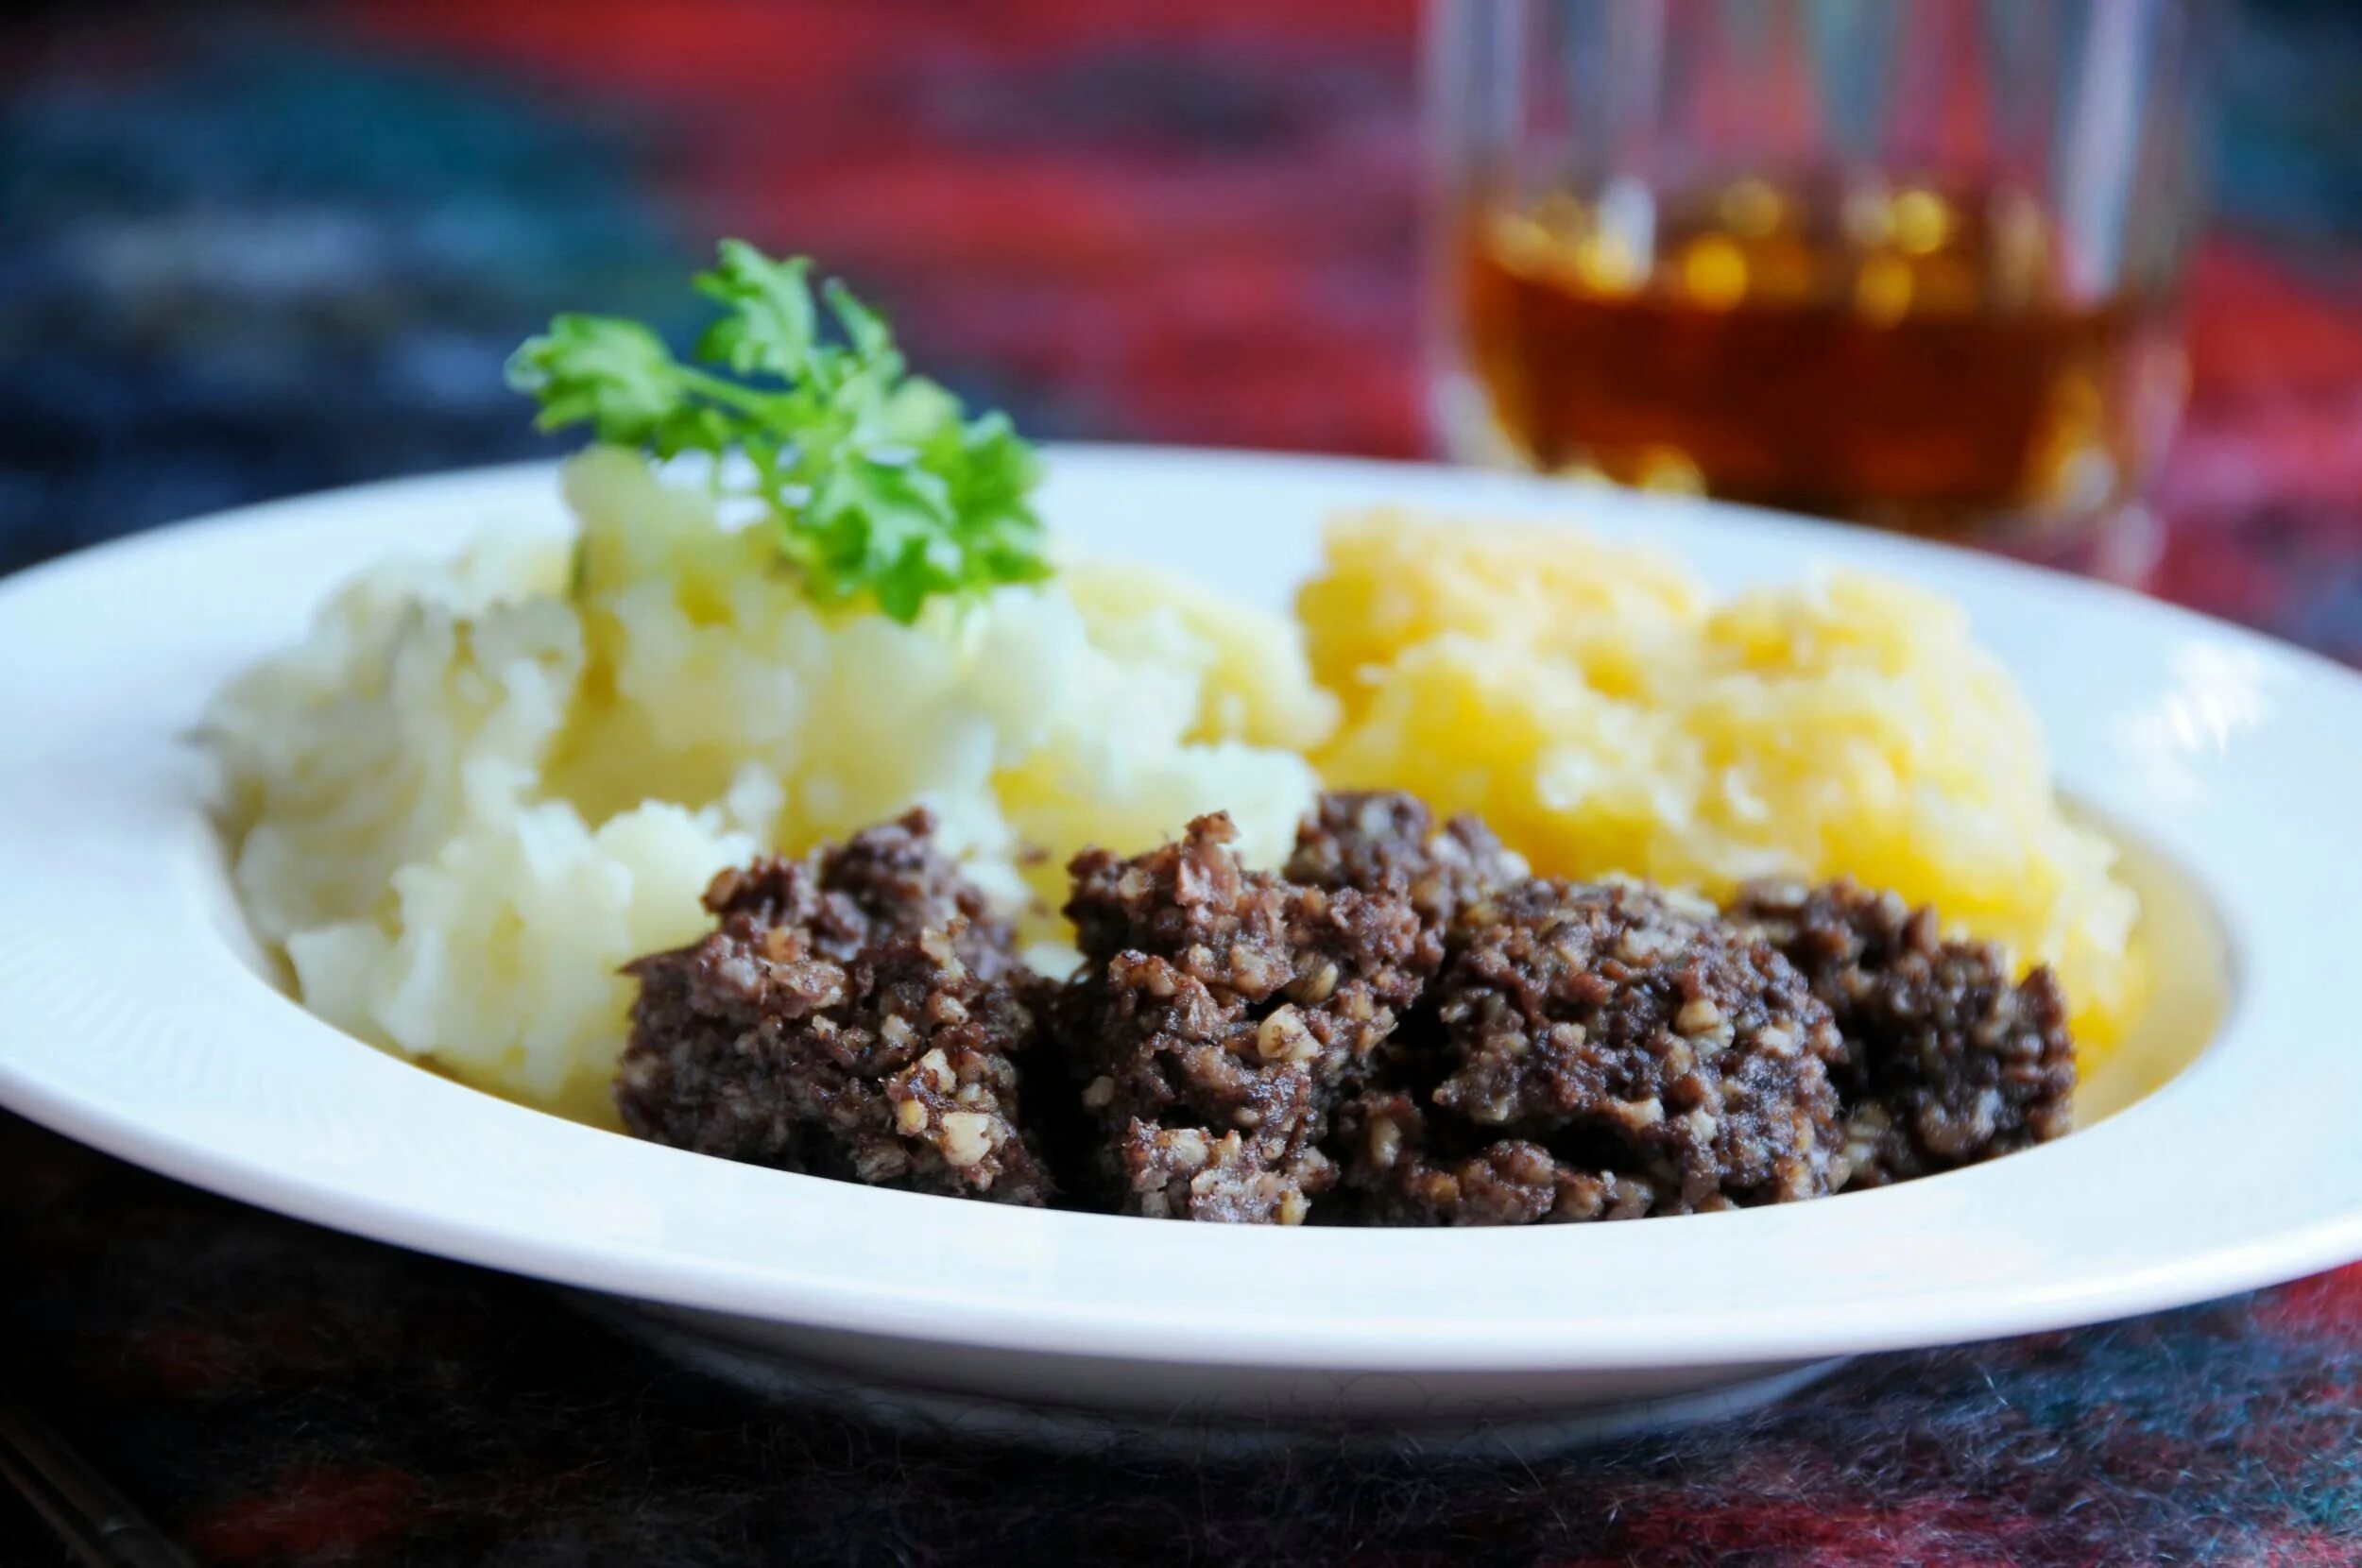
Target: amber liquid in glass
column 1899, row 355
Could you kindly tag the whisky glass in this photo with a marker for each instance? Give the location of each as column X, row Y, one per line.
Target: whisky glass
column 1912, row 262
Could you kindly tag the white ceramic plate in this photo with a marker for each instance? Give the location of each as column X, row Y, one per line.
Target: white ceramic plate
column 133, row 1015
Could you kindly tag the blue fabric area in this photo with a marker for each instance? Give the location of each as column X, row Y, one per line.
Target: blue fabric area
column 272, row 265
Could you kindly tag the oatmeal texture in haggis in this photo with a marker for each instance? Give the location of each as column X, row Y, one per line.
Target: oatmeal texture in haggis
column 1947, row 1061
column 1401, row 1027
column 1609, row 1052
column 1388, row 842
column 1217, row 1015
column 857, row 1014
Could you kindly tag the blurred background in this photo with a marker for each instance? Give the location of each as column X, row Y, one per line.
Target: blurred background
column 249, row 249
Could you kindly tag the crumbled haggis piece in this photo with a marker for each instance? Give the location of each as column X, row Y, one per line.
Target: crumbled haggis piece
column 1218, row 1013
column 1383, row 1140
column 1947, row 1061
column 1388, row 842
column 1189, row 1173
column 1614, row 1027
column 887, row 880
column 857, row 1014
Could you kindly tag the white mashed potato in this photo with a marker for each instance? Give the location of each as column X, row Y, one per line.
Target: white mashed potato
column 479, row 787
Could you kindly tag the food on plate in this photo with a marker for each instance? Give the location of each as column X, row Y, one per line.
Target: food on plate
column 1402, row 1027
column 1590, row 1012
column 1604, row 713
column 478, row 788
column 1947, row 1058
column 859, row 1014
column 805, row 805
column 1373, row 840
column 1216, row 1015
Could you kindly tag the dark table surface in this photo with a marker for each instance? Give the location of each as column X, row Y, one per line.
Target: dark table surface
column 252, row 249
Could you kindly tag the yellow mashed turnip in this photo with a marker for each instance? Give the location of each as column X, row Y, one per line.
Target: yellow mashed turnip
column 1607, row 714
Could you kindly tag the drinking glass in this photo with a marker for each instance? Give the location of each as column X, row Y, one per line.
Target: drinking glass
column 1915, row 262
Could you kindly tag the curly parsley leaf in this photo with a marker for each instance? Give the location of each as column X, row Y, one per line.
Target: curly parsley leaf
column 771, row 325
column 875, row 481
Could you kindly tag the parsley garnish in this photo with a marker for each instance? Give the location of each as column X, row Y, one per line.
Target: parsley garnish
column 874, row 480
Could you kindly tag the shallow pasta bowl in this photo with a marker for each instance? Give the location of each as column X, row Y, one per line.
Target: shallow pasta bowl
column 136, row 1015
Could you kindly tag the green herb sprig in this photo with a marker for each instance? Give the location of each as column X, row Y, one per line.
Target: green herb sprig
column 874, row 480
